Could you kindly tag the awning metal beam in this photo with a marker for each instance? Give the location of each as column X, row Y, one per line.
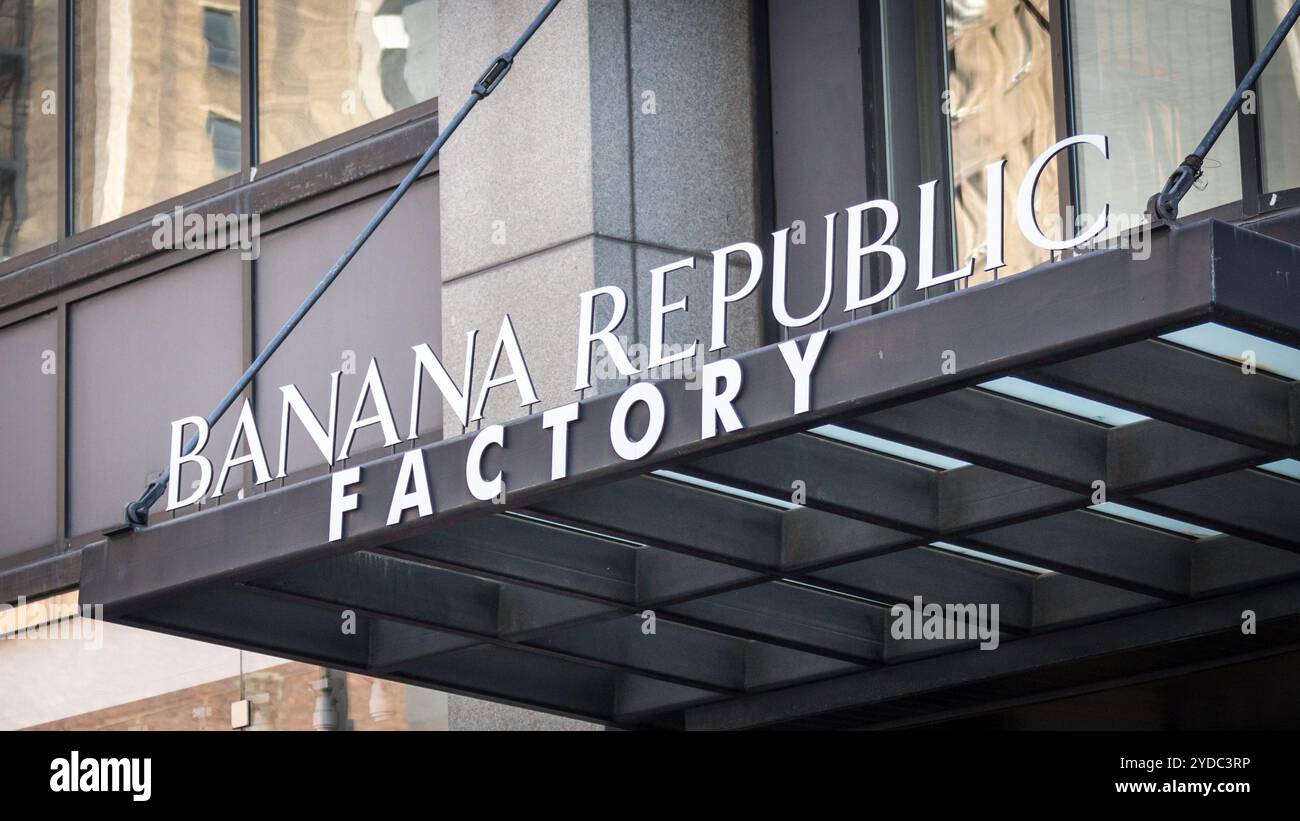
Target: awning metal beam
column 763, row 606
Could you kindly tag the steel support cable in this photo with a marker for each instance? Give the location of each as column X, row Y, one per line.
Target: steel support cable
column 1165, row 204
column 137, row 512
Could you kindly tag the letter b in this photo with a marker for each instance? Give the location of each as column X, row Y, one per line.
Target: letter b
column 177, row 459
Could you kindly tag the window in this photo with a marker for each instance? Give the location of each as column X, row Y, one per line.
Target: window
column 1278, row 101
column 1152, row 76
column 221, row 31
column 225, row 134
column 143, row 99
column 1000, row 108
column 327, row 66
column 159, row 103
column 29, row 195
column 949, row 87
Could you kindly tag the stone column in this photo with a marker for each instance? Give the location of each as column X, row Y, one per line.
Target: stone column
column 623, row 139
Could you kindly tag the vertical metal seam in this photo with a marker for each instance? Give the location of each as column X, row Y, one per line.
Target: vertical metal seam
column 1068, row 193
column 61, row 428
column 1250, row 149
column 248, row 90
column 65, row 172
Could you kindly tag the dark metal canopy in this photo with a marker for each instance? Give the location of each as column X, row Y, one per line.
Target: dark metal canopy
column 976, row 486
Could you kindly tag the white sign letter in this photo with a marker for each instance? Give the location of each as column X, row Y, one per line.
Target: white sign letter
column 405, row 496
column 373, row 386
column 647, row 393
column 557, row 421
column 587, row 337
column 323, row 439
column 247, row 428
column 856, row 252
column 925, row 264
column 483, row 488
column 176, row 460
column 509, row 343
column 715, row 405
column 994, row 176
column 801, row 367
column 718, row 339
column 780, row 241
column 658, row 310
column 426, row 361
column 341, row 502
column 1025, row 201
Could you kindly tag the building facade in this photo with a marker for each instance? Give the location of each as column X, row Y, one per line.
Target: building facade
column 177, row 176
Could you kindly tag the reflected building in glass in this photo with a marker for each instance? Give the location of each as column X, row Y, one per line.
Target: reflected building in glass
column 29, row 42
column 328, row 66
column 157, row 95
column 1000, row 109
column 158, row 87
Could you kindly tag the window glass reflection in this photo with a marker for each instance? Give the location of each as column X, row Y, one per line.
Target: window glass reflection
column 150, row 77
column 29, row 40
column 326, row 66
column 1153, row 76
column 999, row 108
column 221, row 31
column 1279, row 100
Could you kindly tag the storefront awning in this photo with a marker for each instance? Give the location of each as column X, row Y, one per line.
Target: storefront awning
column 1080, row 445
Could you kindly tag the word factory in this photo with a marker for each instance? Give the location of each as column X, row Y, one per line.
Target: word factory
column 720, row 381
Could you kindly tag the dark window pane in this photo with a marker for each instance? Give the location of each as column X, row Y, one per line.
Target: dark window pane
column 1279, row 100
column 225, row 143
column 28, row 437
column 29, row 39
column 144, row 96
column 326, row 66
column 221, row 30
column 1000, row 107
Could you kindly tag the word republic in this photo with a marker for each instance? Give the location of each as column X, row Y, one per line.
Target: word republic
column 720, row 382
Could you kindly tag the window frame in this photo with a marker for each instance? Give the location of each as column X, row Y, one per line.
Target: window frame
column 1254, row 202
column 209, row 14
column 1254, row 198
column 69, row 236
